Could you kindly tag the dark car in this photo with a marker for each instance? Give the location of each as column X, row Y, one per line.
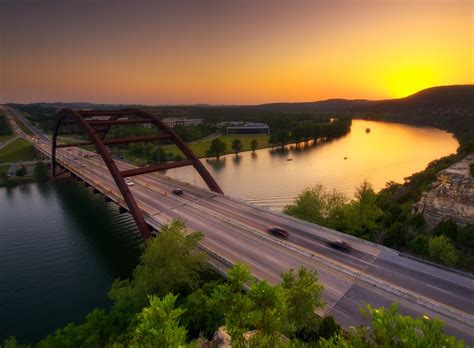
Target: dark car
column 278, row 231
column 178, row 191
column 340, row 245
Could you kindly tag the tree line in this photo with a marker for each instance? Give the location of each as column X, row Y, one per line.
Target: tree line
column 287, row 133
column 298, row 132
column 5, row 128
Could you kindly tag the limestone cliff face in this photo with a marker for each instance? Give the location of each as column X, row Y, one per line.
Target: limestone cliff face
column 450, row 197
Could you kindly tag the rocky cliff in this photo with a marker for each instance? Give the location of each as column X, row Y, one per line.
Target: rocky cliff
column 451, row 196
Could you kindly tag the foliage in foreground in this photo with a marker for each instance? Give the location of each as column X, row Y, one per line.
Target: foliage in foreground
column 172, row 300
column 390, row 329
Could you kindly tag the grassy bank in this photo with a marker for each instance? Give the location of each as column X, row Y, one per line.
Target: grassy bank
column 18, row 150
column 5, row 137
column 200, row 147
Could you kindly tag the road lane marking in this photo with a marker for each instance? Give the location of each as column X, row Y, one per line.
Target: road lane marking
column 434, row 287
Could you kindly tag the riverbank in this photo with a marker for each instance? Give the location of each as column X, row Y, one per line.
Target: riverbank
column 17, row 150
column 16, row 173
column 200, row 147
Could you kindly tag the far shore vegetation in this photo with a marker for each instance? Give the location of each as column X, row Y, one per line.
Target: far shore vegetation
column 40, row 173
column 174, row 299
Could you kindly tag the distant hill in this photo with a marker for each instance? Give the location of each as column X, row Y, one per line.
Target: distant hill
column 430, row 99
column 330, row 105
column 72, row 105
column 456, row 96
column 445, row 107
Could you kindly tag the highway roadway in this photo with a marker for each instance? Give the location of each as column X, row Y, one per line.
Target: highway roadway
column 237, row 231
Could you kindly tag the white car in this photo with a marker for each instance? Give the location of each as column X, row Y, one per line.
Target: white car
column 129, row 182
column 83, row 165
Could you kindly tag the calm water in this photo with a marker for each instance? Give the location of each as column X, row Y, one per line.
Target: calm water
column 61, row 246
column 390, row 152
column 60, row 249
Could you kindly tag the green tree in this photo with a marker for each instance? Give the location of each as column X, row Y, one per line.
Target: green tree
column 363, row 213
column 442, row 250
column 217, row 149
column 94, row 332
column 395, row 235
column 298, row 134
column 40, row 171
column 465, row 237
column 5, row 179
column 446, row 228
column 328, row 327
column 268, row 308
column 21, row 172
column 419, row 245
column 302, row 296
column 316, row 205
column 158, row 155
column 390, row 329
column 158, row 324
column 169, row 264
column 11, row 342
column 202, row 317
column 254, row 145
column 282, row 137
column 236, row 304
column 237, row 146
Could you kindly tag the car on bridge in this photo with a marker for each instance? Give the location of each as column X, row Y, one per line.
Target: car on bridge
column 340, row 245
column 178, row 191
column 278, row 231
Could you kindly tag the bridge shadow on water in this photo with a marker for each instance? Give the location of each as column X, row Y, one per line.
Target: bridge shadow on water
column 113, row 237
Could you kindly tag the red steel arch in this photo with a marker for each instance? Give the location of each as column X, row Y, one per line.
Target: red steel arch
column 97, row 138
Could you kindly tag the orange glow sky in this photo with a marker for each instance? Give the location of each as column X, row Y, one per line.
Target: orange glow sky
column 231, row 52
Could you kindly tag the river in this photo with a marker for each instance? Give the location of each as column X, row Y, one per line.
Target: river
column 273, row 178
column 61, row 246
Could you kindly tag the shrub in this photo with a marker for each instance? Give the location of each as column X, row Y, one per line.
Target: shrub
column 441, row 249
column 21, row 172
column 419, row 245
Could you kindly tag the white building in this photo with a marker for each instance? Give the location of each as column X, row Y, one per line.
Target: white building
column 249, row 128
column 174, row 121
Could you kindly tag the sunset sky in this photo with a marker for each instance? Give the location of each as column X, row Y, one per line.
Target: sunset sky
column 231, row 52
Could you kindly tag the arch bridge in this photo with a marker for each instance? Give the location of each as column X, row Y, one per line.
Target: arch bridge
column 236, row 231
column 97, row 124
